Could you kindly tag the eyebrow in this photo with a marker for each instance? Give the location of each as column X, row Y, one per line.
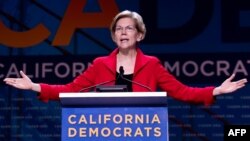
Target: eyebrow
column 125, row 26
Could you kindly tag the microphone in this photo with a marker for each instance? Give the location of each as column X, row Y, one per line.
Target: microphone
column 121, row 71
column 96, row 85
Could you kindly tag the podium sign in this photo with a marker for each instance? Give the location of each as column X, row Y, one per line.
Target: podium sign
column 122, row 120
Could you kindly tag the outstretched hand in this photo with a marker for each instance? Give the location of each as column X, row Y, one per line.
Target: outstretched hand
column 229, row 86
column 21, row 83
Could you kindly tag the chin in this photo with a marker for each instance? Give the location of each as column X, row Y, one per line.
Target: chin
column 126, row 47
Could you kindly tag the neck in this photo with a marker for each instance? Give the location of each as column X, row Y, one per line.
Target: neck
column 127, row 60
column 127, row 53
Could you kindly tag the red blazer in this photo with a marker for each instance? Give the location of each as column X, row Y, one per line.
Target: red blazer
column 148, row 71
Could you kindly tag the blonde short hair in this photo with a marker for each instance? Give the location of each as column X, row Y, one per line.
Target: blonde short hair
column 139, row 24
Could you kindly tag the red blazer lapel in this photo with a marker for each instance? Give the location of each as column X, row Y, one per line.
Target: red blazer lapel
column 141, row 61
column 110, row 61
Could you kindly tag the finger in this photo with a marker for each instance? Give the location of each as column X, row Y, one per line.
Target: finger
column 240, row 86
column 242, row 81
column 13, row 84
column 10, row 83
column 231, row 77
column 245, row 80
column 23, row 74
column 8, row 80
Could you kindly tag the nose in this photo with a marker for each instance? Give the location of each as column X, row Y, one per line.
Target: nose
column 124, row 31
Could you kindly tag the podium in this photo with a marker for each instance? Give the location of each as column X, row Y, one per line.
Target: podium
column 114, row 116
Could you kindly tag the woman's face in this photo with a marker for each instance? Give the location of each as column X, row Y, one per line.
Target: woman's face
column 126, row 34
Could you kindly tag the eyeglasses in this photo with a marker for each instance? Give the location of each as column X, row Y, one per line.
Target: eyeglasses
column 127, row 29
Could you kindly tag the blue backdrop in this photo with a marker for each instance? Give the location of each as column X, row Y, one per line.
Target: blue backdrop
column 201, row 42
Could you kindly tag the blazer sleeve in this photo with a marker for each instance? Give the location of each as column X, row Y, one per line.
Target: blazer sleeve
column 87, row 78
column 180, row 91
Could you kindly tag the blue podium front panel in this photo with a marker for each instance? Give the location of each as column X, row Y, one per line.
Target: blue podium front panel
column 115, row 124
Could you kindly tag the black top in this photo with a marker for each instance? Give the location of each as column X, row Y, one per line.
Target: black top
column 120, row 81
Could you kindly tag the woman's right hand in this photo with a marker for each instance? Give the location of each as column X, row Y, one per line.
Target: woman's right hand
column 22, row 83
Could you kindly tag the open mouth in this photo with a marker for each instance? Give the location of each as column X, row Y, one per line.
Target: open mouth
column 124, row 40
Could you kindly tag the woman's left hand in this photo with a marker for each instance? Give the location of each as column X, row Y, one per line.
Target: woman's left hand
column 229, row 86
